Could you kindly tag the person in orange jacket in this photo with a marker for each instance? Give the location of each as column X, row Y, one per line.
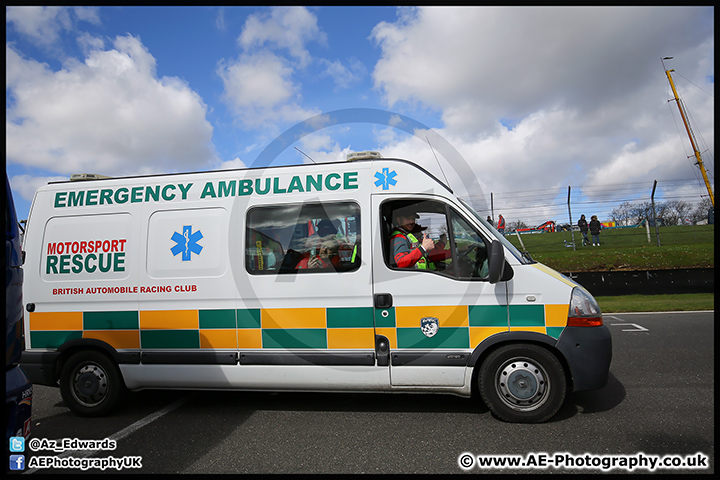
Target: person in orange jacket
column 501, row 224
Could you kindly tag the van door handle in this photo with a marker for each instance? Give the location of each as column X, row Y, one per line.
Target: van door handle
column 383, row 300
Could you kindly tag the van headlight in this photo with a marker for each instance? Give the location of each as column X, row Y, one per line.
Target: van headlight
column 584, row 310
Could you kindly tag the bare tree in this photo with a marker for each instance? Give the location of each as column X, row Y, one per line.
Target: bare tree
column 675, row 212
column 621, row 214
column 700, row 212
column 515, row 225
column 640, row 211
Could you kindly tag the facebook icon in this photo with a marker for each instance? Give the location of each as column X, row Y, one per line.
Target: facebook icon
column 17, row 462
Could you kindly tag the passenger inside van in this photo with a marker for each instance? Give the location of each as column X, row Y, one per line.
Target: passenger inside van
column 326, row 256
column 297, row 233
column 326, row 229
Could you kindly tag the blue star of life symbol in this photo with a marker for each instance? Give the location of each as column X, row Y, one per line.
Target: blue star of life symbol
column 186, row 243
column 386, row 178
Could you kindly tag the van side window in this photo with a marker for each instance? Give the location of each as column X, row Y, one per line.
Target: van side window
column 303, row 238
column 456, row 250
column 472, row 258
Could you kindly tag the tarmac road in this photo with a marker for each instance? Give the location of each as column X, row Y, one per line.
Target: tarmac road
column 659, row 402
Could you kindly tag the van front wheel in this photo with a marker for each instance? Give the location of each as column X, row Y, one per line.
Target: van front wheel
column 522, row 383
column 91, row 384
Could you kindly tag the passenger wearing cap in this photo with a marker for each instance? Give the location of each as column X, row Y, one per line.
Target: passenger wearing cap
column 407, row 249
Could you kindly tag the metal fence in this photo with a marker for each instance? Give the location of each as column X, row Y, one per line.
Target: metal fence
column 653, row 213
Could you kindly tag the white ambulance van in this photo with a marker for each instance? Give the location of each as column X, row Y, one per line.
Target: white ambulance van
column 289, row 279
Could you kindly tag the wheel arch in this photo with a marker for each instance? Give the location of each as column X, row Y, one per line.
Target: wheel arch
column 490, row 344
column 71, row 347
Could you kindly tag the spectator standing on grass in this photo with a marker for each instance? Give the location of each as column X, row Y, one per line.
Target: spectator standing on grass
column 501, row 224
column 595, row 228
column 583, row 225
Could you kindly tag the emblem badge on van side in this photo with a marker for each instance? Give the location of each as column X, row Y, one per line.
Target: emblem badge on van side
column 186, row 243
column 386, row 178
column 429, row 326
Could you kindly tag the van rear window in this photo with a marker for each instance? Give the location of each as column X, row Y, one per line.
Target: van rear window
column 303, row 238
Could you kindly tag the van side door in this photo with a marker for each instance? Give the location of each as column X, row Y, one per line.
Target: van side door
column 307, row 307
column 433, row 316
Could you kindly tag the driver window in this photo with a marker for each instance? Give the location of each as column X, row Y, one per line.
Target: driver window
column 452, row 248
column 416, row 235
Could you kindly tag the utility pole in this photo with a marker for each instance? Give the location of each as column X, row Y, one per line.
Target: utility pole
column 689, row 132
column 572, row 232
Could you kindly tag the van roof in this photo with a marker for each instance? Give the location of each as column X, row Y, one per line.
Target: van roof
column 88, row 178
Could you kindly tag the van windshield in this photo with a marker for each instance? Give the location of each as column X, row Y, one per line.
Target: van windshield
column 523, row 257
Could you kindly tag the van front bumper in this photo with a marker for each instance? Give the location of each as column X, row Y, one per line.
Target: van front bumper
column 588, row 351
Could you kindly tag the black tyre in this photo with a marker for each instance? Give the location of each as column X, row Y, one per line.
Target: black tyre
column 91, row 384
column 522, row 383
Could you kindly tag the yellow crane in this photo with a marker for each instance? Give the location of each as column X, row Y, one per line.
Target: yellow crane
column 689, row 131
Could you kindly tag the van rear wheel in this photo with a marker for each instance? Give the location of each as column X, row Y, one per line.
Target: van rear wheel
column 91, row 384
column 522, row 383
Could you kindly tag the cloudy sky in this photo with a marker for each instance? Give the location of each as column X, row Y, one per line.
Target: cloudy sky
column 527, row 98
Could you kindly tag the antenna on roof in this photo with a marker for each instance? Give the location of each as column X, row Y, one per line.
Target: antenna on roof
column 308, row 156
column 447, row 183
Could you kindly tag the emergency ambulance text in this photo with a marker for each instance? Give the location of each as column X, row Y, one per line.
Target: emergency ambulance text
column 108, row 196
column 275, row 185
column 223, row 188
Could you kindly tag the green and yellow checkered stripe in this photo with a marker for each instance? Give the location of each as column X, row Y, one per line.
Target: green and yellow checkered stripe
column 461, row 327
column 315, row 328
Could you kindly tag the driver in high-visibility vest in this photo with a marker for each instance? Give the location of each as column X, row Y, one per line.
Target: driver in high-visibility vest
column 410, row 245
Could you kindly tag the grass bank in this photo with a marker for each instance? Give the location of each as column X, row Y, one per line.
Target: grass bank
column 681, row 246
column 657, row 303
column 689, row 246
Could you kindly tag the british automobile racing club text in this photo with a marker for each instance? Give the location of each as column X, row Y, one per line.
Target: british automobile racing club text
column 144, row 289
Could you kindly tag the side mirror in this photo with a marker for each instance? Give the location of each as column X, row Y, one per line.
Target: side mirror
column 496, row 262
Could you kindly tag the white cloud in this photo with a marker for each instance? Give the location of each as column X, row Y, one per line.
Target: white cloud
column 220, row 23
column 541, row 98
column 43, row 25
column 260, row 91
column 343, row 76
column 514, row 60
column 88, row 14
column 257, row 81
column 109, row 115
column 89, row 43
column 259, row 85
column 288, row 28
column 232, row 164
column 26, row 185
